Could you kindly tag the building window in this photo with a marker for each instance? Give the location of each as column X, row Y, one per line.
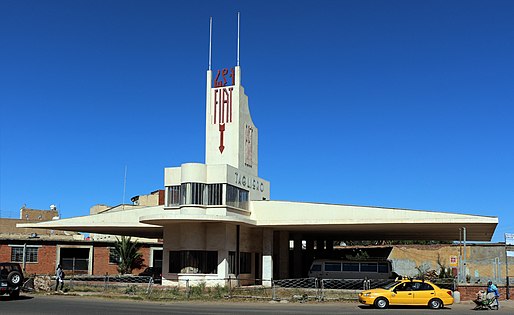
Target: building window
column 197, row 191
column 192, row 193
column 232, row 262
column 246, row 262
column 193, row 261
column 30, row 254
column 207, row 194
column 184, row 192
column 237, row 197
column 173, row 196
column 114, row 258
column 215, row 194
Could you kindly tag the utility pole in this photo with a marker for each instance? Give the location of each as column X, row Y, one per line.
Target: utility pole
column 464, row 253
column 508, row 241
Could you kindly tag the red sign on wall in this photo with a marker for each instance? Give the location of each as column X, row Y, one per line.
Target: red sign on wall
column 223, row 75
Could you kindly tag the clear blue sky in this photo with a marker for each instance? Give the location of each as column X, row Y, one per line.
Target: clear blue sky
column 403, row 104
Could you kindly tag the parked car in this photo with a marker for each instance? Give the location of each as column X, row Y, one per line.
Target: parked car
column 154, row 272
column 407, row 292
column 11, row 279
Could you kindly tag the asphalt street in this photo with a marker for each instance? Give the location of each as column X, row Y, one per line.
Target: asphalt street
column 59, row 304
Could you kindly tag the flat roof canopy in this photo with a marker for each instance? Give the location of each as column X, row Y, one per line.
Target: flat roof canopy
column 413, row 231
column 338, row 222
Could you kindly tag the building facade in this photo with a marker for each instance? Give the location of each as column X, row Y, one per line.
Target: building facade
column 39, row 251
column 218, row 221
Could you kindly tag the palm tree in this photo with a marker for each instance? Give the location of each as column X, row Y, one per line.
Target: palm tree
column 128, row 253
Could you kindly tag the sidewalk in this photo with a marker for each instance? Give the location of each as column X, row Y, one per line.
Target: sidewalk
column 504, row 304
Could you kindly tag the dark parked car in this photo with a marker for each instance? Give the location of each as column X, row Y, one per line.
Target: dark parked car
column 154, row 272
column 11, row 279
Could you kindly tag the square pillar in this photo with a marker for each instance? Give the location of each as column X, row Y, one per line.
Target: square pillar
column 223, row 271
column 297, row 255
column 267, row 257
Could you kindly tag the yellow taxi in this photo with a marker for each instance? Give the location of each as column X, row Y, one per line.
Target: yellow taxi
column 407, row 292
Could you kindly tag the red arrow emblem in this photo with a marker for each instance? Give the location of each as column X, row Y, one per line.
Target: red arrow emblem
column 222, row 129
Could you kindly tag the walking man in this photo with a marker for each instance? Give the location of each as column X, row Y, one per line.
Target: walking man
column 59, row 277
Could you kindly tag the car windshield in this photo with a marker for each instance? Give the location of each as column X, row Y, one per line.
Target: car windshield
column 390, row 285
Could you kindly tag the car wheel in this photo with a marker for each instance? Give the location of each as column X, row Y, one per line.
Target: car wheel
column 381, row 303
column 14, row 278
column 15, row 294
column 435, row 304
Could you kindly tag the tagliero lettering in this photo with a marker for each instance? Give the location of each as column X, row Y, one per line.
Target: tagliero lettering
column 249, row 182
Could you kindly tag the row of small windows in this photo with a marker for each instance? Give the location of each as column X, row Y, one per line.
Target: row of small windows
column 358, row 267
column 31, row 255
column 207, row 194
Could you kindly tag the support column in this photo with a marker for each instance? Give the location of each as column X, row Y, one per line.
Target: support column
column 309, row 244
column 223, row 271
column 309, row 250
column 320, row 246
column 283, row 255
column 330, row 245
column 267, row 257
column 297, row 255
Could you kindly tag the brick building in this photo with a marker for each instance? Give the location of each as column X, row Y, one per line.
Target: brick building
column 40, row 250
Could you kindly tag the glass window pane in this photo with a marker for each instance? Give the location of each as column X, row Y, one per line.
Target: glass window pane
column 16, row 254
column 368, row 267
column 332, row 266
column 383, row 268
column 350, row 266
column 246, row 262
column 193, row 261
column 173, row 196
column 424, row 287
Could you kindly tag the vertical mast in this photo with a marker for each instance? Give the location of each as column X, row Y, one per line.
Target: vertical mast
column 238, row 23
column 210, row 43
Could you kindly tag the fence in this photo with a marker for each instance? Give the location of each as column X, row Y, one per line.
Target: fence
column 300, row 289
column 479, row 271
column 123, row 284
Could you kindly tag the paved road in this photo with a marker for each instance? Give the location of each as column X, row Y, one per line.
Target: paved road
column 54, row 305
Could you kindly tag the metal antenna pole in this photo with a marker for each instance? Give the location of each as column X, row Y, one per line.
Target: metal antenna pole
column 507, row 268
column 210, row 44
column 464, row 251
column 238, row 28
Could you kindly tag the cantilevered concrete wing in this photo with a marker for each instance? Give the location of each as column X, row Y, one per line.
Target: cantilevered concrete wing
column 370, row 223
column 120, row 222
column 337, row 221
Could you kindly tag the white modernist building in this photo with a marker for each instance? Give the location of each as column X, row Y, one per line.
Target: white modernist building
column 218, row 220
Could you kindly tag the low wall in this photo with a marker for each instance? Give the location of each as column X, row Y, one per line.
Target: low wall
column 468, row 292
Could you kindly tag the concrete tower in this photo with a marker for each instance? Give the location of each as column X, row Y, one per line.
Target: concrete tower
column 231, row 136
